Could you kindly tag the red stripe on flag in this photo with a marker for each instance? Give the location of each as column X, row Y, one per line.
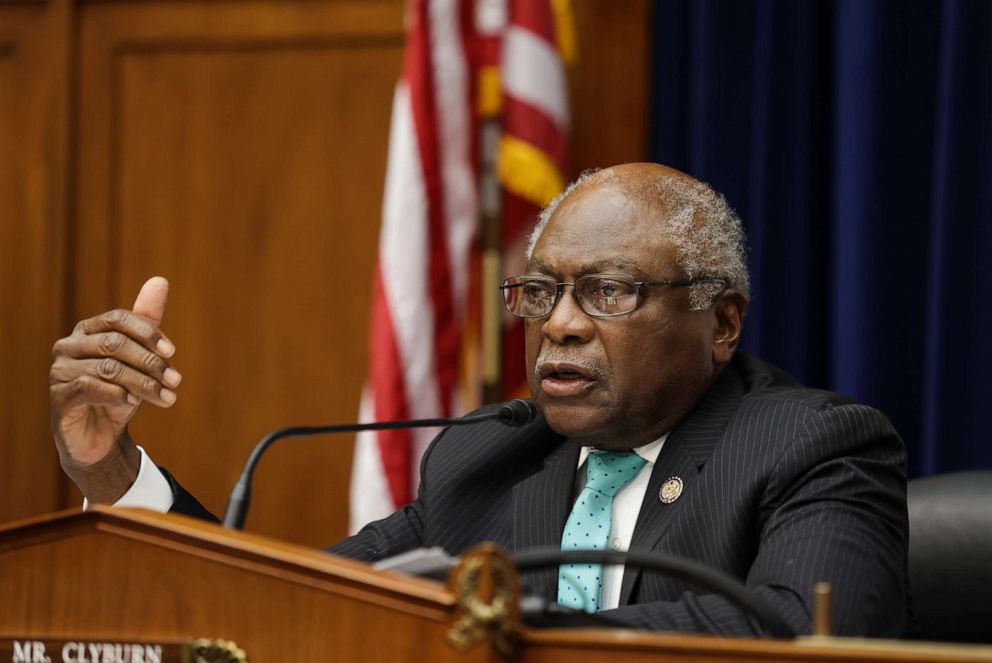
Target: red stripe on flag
column 535, row 17
column 518, row 219
column 388, row 385
column 487, row 51
column 419, row 72
column 533, row 126
column 471, row 48
column 519, row 216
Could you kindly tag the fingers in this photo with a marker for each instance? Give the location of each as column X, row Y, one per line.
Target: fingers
column 117, row 346
column 86, row 390
column 133, row 326
column 150, row 303
column 137, row 386
column 120, row 356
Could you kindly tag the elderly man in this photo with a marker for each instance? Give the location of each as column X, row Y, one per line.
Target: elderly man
column 655, row 433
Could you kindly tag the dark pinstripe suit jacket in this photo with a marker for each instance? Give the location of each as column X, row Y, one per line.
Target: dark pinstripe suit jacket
column 784, row 487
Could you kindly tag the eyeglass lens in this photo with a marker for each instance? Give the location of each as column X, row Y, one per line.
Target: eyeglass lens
column 598, row 294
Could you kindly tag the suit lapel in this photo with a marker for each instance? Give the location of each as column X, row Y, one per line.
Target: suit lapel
column 683, row 455
column 655, row 517
column 541, row 504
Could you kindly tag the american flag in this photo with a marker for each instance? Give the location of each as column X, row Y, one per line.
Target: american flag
column 430, row 213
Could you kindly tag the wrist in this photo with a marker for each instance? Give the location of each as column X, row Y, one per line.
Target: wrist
column 105, row 481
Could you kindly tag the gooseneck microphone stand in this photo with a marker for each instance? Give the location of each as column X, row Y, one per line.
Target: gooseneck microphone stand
column 512, row 413
column 698, row 574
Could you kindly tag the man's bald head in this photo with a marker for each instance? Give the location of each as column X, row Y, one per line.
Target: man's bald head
column 707, row 235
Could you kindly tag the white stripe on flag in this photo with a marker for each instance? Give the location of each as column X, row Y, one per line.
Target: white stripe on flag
column 369, row 492
column 533, row 73
column 403, row 261
column 453, row 130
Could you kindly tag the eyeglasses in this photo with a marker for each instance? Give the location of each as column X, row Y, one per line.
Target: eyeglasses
column 600, row 295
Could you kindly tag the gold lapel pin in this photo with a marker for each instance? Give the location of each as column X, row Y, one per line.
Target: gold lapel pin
column 670, row 490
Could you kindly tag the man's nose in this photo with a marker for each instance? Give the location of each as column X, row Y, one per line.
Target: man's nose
column 567, row 322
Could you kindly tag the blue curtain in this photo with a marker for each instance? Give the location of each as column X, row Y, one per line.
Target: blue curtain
column 854, row 138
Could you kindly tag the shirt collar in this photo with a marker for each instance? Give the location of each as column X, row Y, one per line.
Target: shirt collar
column 649, row 452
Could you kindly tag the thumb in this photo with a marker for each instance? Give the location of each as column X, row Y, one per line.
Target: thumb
column 150, row 303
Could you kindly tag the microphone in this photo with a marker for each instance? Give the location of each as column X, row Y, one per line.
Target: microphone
column 513, row 413
column 713, row 580
column 538, row 612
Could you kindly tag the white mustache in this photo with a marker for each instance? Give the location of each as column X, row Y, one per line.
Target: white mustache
column 549, row 357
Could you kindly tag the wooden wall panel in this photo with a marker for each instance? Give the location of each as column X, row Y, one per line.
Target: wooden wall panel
column 32, row 159
column 240, row 151
column 608, row 83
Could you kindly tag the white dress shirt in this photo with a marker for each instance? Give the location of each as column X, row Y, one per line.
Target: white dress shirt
column 626, row 506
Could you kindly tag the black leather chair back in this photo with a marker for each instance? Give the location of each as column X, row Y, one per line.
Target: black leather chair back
column 950, row 556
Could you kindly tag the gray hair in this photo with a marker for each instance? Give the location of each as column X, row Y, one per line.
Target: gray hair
column 707, row 234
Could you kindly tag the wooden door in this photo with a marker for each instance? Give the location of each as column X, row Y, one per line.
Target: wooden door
column 239, row 150
column 33, row 149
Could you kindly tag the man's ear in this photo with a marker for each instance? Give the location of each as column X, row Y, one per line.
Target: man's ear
column 729, row 308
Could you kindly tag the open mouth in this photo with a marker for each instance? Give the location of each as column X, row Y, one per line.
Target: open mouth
column 561, row 379
column 566, row 375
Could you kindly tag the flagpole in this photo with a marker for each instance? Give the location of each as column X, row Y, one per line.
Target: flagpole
column 490, row 199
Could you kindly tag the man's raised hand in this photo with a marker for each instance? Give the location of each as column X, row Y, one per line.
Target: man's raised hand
column 100, row 375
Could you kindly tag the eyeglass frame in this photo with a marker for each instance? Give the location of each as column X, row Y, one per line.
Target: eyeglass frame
column 638, row 284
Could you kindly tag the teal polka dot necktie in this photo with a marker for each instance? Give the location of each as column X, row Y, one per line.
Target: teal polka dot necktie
column 588, row 526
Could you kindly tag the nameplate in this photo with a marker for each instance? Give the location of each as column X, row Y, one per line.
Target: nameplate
column 41, row 649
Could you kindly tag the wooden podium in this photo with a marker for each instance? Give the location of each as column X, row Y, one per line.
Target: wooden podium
column 130, row 575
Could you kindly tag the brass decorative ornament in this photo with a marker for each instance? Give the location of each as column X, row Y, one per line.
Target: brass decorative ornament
column 203, row 650
column 488, row 596
column 671, row 490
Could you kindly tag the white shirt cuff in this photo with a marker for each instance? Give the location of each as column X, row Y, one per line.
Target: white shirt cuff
column 150, row 489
